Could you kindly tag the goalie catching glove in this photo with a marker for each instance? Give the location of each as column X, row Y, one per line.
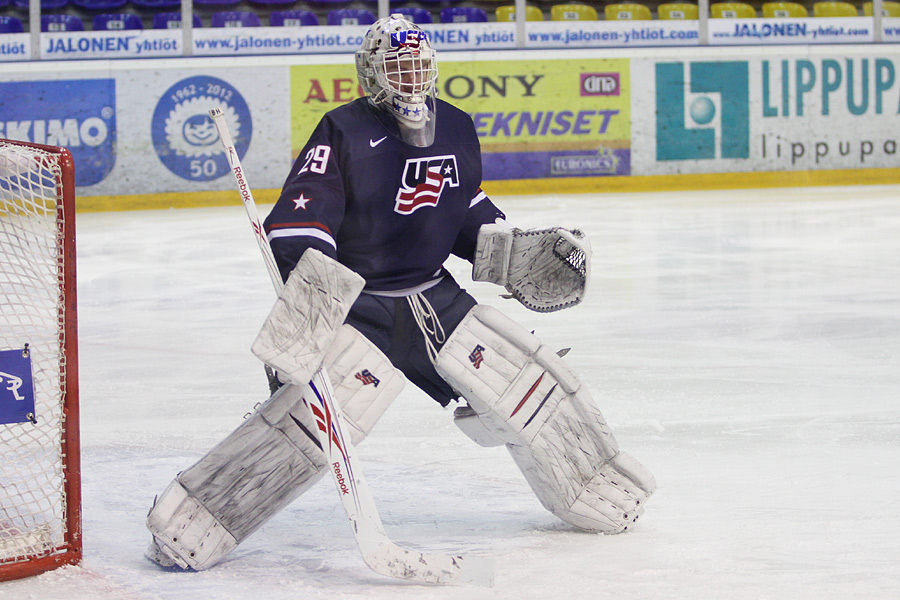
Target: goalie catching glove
column 544, row 269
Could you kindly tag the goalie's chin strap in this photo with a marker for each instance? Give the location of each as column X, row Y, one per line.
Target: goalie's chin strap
column 428, row 323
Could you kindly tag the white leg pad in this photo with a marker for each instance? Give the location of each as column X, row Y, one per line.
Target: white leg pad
column 267, row 462
column 526, row 396
column 185, row 533
column 468, row 422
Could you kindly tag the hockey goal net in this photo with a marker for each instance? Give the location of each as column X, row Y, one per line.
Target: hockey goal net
column 40, row 485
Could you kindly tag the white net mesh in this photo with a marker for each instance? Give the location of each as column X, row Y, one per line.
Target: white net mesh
column 32, row 494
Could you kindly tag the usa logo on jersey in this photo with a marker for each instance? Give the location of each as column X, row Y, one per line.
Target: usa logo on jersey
column 423, row 181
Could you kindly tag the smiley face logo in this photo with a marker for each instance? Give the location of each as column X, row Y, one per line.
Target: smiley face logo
column 184, row 135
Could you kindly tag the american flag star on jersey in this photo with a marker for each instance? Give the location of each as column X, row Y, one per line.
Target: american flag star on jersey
column 301, row 201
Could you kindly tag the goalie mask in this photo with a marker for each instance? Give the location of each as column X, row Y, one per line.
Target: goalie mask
column 397, row 69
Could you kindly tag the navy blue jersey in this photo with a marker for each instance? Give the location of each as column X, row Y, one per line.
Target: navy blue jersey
column 390, row 211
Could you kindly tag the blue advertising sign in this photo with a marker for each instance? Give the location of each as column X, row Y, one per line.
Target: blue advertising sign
column 16, row 387
column 78, row 114
column 702, row 110
column 184, row 135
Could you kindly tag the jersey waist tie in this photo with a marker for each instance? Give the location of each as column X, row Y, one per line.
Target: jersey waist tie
column 428, row 323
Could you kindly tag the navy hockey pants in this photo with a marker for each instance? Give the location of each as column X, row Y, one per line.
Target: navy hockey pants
column 389, row 324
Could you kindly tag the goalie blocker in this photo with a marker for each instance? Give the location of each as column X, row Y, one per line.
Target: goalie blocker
column 526, row 397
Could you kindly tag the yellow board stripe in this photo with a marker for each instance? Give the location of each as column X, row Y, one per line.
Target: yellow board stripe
column 170, row 200
column 568, row 185
column 704, row 181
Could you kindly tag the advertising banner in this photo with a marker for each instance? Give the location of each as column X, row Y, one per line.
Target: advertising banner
column 791, row 111
column 15, row 47
column 233, row 41
column 16, row 387
column 140, row 128
column 891, row 29
column 150, row 43
column 246, row 41
column 537, row 118
column 611, row 34
column 835, row 30
column 79, row 114
column 325, row 39
column 145, row 129
column 174, row 145
column 256, row 41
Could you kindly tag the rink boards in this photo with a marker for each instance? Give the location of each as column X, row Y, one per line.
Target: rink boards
column 549, row 121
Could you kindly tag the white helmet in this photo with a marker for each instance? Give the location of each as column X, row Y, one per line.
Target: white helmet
column 396, row 67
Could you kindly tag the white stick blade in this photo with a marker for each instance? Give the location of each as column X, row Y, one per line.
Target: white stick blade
column 440, row 569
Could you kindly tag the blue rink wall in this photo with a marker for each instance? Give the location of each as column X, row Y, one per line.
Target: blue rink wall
column 549, row 120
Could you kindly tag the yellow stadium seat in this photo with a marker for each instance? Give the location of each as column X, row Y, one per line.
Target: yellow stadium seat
column 834, row 9
column 783, row 10
column 732, row 10
column 888, row 9
column 573, row 12
column 508, row 13
column 627, row 11
column 678, row 11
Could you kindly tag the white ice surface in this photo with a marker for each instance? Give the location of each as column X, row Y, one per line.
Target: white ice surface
column 745, row 346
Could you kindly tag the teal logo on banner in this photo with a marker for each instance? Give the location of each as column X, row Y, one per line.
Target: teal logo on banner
column 16, row 387
column 184, row 135
column 78, row 114
column 702, row 111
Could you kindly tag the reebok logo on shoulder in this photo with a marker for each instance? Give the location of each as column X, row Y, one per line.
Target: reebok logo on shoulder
column 374, row 143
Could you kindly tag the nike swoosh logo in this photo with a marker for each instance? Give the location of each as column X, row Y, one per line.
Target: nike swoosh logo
column 374, row 143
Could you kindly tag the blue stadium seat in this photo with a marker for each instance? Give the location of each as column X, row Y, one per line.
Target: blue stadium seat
column 99, row 5
column 292, row 18
column 45, row 4
column 61, row 23
column 351, row 16
column 157, row 4
column 233, row 18
column 117, row 22
column 3, row 3
column 272, row 3
column 172, row 20
column 216, row 3
column 415, row 14
column 463, row 14
column 11, row 25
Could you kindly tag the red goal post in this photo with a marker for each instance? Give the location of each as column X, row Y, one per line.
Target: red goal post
column 40, row 470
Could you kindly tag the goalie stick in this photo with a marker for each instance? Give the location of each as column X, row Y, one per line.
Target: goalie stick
column 378, row 551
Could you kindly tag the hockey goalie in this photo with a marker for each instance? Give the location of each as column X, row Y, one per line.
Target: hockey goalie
column 385, row 190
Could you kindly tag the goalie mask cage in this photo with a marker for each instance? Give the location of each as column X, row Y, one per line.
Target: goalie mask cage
column 40, row 477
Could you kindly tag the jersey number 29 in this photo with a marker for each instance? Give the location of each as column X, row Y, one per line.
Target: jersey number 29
column 316, row 160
